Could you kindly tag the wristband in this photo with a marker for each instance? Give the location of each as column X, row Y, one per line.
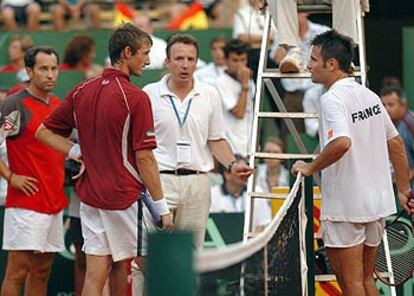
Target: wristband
column 231, row 165
column 161, row 206
column 74, row 152
column 245, row 88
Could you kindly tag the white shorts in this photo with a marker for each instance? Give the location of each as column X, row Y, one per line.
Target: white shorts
column 347, row 234
column 26, row 230
column 118, row 233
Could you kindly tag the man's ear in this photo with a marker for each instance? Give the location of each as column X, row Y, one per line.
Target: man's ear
column 29, row 72
column 332, row 64
column 126, row 52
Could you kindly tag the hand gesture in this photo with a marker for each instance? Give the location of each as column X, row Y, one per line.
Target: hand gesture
column 243, row 76
column 302, row 167
column 407, row 201
column 167, row 222
column 242, row 170
column 24, row 183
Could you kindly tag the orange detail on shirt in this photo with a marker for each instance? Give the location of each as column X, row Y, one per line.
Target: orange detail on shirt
column 330, row 134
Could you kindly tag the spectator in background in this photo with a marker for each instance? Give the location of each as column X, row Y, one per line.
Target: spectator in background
column 79, row 54
column 272, row 173
column 395, row 101
column 231, row 197
column 157, row 53
column 75, row 9
column 210, row 73
column 20, row 12
column 248, row 26
column 237, row 92
column 17, row 47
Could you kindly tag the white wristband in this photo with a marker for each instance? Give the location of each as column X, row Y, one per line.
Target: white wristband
column 75, row 152
column 161, row 206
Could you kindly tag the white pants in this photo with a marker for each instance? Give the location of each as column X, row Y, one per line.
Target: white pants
column 188, row 198
column 285, row 17
column 26, row 230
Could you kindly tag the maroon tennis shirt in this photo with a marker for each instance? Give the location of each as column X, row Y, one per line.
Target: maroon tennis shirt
column 114, row 119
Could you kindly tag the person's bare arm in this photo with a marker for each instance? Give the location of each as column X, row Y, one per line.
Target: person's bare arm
column 399, row 162
column 148, row 170
column 329, row 155
column 243, row 76
column 55, row 141
column 23, row 183
column 223, row 153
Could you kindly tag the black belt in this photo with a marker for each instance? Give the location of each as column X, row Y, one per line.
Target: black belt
column 181, row 172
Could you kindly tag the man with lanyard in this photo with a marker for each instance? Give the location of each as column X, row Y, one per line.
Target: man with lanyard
column 190, row 131
column 33, row 222
column 357, row 138
column 116, row 136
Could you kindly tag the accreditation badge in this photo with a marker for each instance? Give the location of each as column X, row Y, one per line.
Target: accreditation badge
column 183, row 151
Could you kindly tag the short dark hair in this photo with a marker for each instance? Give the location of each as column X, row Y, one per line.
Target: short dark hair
column 180, row 38
column 390, row 89
column 217, row 39
column 78, row 47
column 126, row 35
column 31, row 53
column 335, row 46
column 236, row 46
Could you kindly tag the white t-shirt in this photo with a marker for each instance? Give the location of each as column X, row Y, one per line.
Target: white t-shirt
column 209, row 73
column 358, row 187
column 248, row 20
column 238, row 131
column 204, row 122
column 225, row 202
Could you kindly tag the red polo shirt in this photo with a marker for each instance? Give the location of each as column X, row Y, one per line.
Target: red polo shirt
column 29, row 157
column 114, row 119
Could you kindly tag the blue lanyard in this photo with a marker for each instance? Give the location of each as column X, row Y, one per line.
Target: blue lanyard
column 178, row 115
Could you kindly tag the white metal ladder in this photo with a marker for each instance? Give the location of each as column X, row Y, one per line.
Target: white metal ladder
column 264, row 79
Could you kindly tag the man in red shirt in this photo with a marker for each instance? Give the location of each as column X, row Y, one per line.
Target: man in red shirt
column 33, row 223
column 116, row 136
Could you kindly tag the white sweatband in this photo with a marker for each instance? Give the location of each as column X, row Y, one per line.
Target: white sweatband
column 161, row 206
column 75, row 152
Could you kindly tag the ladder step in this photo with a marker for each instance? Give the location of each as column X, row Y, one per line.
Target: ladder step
column 325, row 278
column 283, row 156
column 275, row 73
column 315, row 8
column 287, row 115
column 263, row 195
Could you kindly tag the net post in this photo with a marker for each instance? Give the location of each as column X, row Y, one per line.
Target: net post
column 170, row 264
column 310, row 253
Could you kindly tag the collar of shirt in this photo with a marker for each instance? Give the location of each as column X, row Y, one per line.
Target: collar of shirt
column 165, row 91
column 112, row 72
column 343, row 81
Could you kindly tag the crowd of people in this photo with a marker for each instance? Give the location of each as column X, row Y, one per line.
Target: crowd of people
column 184, row 141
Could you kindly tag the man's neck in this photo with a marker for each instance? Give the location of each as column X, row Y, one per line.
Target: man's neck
column 181, row 89
column 338, row 76
column 38, row 93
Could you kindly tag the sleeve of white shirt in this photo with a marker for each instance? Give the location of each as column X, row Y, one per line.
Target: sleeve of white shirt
column 238, row 25
column 227, row 97
column 217, row 128
column 334, row 119
column 390, row 130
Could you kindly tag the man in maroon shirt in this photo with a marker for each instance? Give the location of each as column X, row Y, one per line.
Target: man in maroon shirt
column 116, row 136
column 33, row 223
